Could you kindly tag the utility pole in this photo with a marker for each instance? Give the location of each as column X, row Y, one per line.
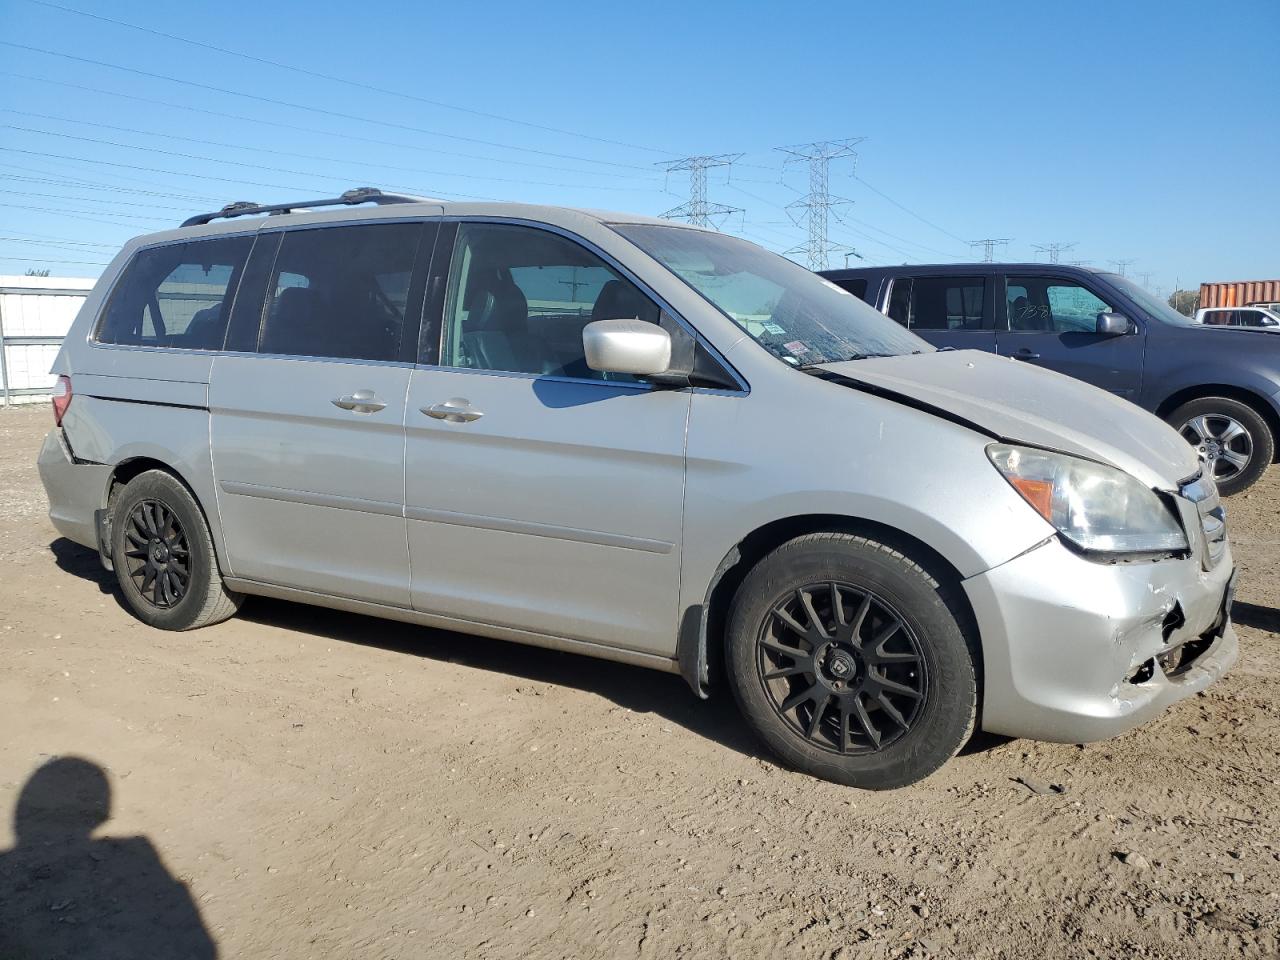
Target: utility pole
column 813, row 210
column 1055, row 249
column 1145, row 276
column 1122, row 265
column 988, row 246
column 698, row 210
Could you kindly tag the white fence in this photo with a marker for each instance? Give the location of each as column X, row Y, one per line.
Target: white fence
column 35, row 314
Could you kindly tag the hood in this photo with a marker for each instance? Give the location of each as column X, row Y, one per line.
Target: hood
column 1020, row 403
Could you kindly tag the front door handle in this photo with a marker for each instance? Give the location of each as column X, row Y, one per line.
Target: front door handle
column 453, row 410
column 362, row 401
column 1025, row 354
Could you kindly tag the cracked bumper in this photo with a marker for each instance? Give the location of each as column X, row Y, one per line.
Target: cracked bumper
column 1062, row 638
column 75, row 490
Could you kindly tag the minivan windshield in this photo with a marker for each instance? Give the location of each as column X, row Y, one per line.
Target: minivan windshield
column 794, row 314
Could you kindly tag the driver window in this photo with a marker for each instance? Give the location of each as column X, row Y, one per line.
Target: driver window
column 340, row 292
column 519, row 298
column 1044, row 305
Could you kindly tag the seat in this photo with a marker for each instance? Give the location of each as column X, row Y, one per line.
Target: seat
column 291, row 323
column 496, row 334
column 620, row 300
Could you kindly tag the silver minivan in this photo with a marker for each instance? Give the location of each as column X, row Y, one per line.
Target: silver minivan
column 642, row 441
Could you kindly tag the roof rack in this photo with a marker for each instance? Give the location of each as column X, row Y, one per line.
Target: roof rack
column 243, row 208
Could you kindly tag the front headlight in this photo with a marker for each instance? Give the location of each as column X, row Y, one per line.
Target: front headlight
column 1095, row 507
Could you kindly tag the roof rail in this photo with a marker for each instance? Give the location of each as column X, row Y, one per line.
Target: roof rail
column 242, row 208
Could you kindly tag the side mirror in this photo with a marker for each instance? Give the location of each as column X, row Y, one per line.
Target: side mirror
column 627, row 346
column 1114, row 324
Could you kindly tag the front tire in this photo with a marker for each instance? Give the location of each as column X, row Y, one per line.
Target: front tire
column 163, row 556
column 1232, row 438
column 849, row 662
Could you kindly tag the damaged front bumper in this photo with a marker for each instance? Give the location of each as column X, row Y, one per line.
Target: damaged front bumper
column 1075, row 650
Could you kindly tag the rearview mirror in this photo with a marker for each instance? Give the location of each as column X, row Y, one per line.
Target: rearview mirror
column 626, row 346
column 1114, row 324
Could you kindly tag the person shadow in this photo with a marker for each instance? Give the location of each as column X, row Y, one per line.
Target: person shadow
column 65, row 894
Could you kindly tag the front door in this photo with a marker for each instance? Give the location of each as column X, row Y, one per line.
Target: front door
column 1052, row 322
column 307, row 424
column 540, row 495
column 954, row 312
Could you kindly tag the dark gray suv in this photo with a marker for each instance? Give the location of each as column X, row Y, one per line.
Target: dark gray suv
column 1220, row 388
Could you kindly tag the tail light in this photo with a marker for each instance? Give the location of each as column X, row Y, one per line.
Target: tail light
column 61, row 399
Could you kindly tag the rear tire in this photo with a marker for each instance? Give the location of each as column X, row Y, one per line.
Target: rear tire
column 848, row 660
column 1225, row 431
column 163, row 555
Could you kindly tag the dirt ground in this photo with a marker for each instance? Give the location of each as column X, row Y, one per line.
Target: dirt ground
column 329, row 785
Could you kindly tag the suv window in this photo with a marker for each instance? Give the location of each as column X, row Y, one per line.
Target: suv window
column 341, row 292
column 519, row 298
column 177, row 295
column 855, row 285
column 938, row 303
column 1049, row 305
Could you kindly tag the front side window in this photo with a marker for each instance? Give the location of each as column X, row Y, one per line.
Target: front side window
column 341, row 292
column 1223, row 318
column 519, row 298
column 796, row 315
column 1049, row 305
column 177, row 295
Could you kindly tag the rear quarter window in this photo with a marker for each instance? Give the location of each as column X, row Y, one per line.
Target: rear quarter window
column 178, row 295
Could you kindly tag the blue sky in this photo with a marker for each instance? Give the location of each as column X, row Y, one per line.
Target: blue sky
column 1142, row 131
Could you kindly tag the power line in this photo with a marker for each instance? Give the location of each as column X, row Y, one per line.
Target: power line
column 1054, row 249
column 256, row 149
column 320, row 110
column 906, row 210
column 1122, row 265
column 988, row 245
column 344, row 80
column 86, row 263
column 276, row 124
column 698, row 210
column 813, row 210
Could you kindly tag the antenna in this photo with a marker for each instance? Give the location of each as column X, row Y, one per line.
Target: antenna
column 697, row 210
column 813, row 210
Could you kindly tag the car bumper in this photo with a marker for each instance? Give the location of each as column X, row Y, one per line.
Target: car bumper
column 1075, row 651
column 75, row 489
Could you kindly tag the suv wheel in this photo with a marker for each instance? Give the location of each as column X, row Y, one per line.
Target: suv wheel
column 163, row 555
column 847, row 660
column 1233, row 440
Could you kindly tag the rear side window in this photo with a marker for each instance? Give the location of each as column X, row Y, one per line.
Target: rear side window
column 341, row 292
column 938, row 303
column 176, row 296
column 855, row 285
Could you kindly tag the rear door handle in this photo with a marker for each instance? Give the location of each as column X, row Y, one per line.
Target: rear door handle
column 453, row 410
column 362, row 401
column 1025, row 354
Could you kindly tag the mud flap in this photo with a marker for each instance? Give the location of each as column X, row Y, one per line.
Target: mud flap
column 102, row 523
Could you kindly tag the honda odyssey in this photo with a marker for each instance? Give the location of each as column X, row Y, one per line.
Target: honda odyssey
column 642, row 441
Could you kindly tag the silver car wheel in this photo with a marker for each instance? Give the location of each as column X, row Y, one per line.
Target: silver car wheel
column 1222, row 442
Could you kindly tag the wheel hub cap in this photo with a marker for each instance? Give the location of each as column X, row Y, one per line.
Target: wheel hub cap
column 842, row 665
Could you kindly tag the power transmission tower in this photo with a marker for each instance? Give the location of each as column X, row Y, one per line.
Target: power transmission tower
column 988, row 246
column 1145, row 276
column 1079, row 263
column 698, row 210
column 813, row 210
column 1122, row 265
column 1054, row 249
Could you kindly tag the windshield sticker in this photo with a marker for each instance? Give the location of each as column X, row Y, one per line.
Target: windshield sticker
column 774, row 329
column 798, row 347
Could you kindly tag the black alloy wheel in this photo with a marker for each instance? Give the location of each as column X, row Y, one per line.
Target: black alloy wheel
column 842, row 667
column 157, row 554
